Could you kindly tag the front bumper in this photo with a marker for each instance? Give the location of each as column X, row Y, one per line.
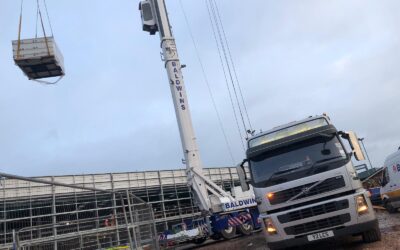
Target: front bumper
column 338, row 233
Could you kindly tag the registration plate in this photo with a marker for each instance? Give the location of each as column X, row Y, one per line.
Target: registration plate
column 321, row 235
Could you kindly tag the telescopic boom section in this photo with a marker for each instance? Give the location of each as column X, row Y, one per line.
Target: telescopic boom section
column 155, row 18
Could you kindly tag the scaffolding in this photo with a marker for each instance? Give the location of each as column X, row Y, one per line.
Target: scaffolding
column 72, row 216
column 89, row 215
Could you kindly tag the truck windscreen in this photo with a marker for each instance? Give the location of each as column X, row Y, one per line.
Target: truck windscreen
column 296, row 161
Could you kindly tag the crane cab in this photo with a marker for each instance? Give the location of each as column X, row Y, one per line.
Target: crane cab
column 148, row 19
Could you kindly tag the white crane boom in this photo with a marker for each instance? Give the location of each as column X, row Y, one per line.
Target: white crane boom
column 155, row 18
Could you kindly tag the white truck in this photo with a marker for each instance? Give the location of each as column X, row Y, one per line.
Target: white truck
column 305, row 184
column 390, row 190
column 224, row 212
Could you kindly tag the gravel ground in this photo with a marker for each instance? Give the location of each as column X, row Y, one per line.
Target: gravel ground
column 388, row 223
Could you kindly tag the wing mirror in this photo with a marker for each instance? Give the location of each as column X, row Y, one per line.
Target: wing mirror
column 355, row 146
column 244, row 183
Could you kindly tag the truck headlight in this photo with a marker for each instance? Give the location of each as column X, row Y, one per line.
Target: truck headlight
column 362, row 205
column 269, row 226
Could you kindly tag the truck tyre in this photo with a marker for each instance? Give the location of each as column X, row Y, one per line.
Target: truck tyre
column 216, row 236
column 247, row 227
column 372, row 235
column 229, row 232
column 272, row 248
column 199, row 240
column 389, row 207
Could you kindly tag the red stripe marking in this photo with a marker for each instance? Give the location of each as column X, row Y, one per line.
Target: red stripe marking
column 233, row 221
column 238, row 221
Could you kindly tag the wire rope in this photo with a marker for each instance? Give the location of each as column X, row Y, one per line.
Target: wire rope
column 224, row 71
column 44, row 31
column 228, row 67
column 233, row 65
column 19, row 29
column 37, row 18
column 48, row 82
column 207, row 83
column 48, row 18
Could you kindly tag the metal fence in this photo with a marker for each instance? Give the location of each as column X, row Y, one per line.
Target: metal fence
column 72, row 217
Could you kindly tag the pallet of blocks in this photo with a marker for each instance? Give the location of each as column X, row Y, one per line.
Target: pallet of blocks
column 38, row 57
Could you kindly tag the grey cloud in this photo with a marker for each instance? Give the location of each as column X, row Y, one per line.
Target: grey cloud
column 113, row 111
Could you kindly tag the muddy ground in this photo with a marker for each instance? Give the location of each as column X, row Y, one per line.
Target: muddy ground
column 388, row 223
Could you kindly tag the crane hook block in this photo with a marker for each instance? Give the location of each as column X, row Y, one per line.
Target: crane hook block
column 148, row 18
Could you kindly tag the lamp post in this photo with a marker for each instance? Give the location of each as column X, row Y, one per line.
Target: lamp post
column 366, row 153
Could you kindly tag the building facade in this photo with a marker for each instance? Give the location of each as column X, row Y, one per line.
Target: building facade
column 33, row 211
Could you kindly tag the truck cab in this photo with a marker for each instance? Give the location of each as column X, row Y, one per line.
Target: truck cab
column 390, row 190
column 305, row 184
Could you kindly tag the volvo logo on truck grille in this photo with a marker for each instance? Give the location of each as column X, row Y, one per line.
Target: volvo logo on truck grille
column 306, row 190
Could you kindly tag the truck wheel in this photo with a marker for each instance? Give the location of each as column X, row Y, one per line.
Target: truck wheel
column 200, row 240
column 389, row 207
column 216, row 236
column 372, row 235
column 229, row 232
column 247, row 227
column 272, row 248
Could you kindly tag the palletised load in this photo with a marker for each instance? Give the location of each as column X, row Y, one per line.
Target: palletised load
column 38, row 58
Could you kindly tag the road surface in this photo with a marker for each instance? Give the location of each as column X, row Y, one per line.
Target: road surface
column 388, row 223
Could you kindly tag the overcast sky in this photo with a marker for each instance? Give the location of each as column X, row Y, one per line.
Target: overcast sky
column 113, row 111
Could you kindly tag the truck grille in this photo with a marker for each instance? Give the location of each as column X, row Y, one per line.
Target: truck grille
column 317, row 225
column 313, row 211
column 325, row 186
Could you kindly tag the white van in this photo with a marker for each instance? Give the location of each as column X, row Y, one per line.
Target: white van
column 390, row 191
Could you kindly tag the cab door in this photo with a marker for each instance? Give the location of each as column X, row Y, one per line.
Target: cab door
column 394, row 183
column 385, row 182
column 391, row 180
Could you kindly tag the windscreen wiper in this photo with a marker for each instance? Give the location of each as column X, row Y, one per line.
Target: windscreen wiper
column 284, row 171
column 322, row 161
column 275, row 176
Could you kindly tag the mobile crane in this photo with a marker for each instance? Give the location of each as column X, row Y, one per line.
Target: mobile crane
column 222, row 213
